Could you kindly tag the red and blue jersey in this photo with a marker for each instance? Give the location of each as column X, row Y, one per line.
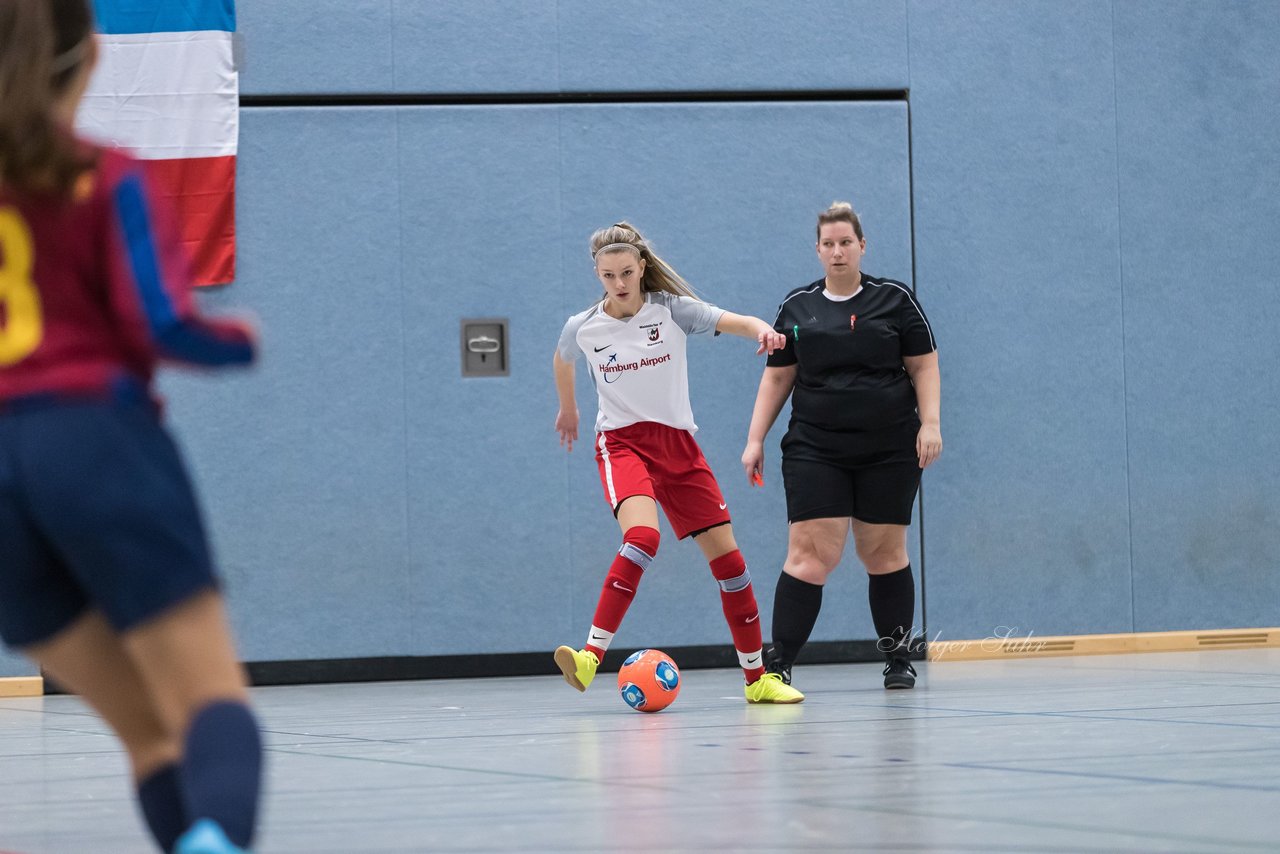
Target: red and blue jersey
column 95, row 290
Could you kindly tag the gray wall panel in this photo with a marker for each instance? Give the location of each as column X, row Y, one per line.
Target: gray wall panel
column 487, row 495
column 476, row 46
column 1017, row 252
column 12, row 664
column 1199, row 187
column 301, row 46
column 301, row 462
column 666, row 44
column 411, row 46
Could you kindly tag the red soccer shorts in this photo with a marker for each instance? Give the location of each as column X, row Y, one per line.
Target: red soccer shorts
column 665, row 464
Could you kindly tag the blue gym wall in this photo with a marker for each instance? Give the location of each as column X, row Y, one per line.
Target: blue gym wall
column 1089, row 189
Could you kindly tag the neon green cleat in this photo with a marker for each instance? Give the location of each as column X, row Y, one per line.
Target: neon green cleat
column 578, row 666
column 770, row 688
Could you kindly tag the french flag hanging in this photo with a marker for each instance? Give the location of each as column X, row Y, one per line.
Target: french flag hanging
column 166, row 90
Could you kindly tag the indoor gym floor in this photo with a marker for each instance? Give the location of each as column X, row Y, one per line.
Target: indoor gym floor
column 1165, row 752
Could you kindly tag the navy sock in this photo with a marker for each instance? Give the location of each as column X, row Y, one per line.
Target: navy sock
column 160, row 796
column 222, row 769
column 796, row 605
column 893, row 608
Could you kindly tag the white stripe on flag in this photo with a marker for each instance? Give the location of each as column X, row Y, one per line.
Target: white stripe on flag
column 164, row 95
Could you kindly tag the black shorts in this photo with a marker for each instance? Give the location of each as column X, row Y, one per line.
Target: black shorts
column 96, row 510
column 873, row 478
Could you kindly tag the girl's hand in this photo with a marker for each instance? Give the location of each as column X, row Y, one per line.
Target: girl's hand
column 769, row 340
column 567, row 427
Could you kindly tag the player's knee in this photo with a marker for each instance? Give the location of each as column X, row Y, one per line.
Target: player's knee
column 809, row 567
column 884, row 559
column 730, row 572
column 640, row 545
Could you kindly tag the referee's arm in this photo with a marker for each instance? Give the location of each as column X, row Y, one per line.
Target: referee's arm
column 928, row 382
column 775, row 388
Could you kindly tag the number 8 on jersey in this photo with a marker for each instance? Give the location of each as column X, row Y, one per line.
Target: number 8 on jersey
column 20, row 323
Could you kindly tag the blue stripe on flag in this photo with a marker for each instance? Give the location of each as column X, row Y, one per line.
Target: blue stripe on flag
column 164, row 16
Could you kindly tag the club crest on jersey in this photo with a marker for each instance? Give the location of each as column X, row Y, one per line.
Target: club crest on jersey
column 654, row 332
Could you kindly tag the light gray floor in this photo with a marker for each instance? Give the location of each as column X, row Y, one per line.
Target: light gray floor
column 1165, row 752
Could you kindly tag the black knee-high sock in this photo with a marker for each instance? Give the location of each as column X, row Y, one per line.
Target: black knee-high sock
column 893, row 608
column 222, row 767
column 160, row 797
column 795, row 610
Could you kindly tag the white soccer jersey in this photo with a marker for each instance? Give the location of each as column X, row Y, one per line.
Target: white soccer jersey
column 638, row 365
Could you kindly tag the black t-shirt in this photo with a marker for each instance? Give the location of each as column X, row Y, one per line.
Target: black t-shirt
column 850, row 375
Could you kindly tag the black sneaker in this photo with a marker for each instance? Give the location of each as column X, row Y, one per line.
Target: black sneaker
column 899, row 673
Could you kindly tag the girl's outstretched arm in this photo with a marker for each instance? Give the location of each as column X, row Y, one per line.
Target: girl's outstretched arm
column 746, row 326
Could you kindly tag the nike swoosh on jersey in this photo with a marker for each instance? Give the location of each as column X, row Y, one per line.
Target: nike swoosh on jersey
column 605, row 347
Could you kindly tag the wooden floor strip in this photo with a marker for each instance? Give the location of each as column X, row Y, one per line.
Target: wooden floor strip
column 21, row 686
column 1043, row 647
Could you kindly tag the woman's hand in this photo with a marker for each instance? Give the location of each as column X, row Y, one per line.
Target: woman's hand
column 928, row 444
column 567, row 427
column 753, row 462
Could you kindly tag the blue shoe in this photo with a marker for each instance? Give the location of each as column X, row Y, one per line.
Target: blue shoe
column 206, row 837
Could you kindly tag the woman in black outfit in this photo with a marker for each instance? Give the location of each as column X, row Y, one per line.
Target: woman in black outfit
column 861, row 367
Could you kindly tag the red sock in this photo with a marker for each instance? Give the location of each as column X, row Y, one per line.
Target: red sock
column 639, row 545
column 740, row 611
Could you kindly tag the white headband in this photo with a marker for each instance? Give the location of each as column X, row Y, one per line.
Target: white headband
column 615, row 247
column 71, row 57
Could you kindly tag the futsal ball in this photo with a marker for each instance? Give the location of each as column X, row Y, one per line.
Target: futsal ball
column 649, row 680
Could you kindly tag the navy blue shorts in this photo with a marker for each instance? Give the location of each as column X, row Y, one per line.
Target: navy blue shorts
column 96, row 511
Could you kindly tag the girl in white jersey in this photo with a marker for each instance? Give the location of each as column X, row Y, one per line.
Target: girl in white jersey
column 634, row 342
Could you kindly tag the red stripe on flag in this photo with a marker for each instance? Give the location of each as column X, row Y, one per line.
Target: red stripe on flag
column 201, row 191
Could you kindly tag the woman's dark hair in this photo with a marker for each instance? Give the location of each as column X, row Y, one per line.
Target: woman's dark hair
column 43, row 47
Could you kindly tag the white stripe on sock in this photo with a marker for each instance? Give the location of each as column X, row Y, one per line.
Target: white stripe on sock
column 599, row 638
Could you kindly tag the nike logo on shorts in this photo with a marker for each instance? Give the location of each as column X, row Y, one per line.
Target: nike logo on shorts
column 623, row 589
